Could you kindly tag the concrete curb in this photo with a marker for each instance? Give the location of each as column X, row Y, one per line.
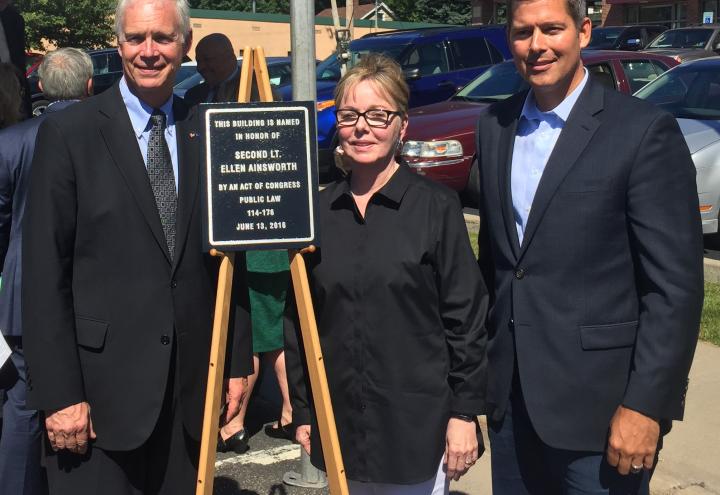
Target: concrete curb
column 712, row 270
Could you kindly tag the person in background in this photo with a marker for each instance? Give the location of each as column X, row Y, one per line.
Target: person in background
column 267, row 277
column 400, row 305
column 65, row 78
column 11, row 96
column 217, row 63
column 12, row 48
column 591, row 244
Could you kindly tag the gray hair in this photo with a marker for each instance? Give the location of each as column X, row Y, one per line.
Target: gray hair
column 576, row 9
column 64, row 74
column 181, row 9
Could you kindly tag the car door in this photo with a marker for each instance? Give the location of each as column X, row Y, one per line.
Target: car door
column 469, row 57
column 426, row 65
column 638, row 72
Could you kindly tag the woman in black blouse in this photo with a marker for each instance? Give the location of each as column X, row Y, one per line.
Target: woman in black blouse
column 400, row 305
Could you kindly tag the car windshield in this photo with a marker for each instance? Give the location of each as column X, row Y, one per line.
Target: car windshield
column 688, row 92
column 329, row 69
column 190, row 82
column 682, row 38
column 603, row 38
column 497, row 83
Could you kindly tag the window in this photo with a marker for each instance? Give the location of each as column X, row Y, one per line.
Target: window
column 639, row 72
column 430, row 59
column 470, row 52
column 603, row 74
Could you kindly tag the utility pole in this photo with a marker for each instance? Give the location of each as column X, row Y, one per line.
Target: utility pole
column 302, row 33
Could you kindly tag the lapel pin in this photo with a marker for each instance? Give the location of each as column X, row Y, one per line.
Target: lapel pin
column 192, row 135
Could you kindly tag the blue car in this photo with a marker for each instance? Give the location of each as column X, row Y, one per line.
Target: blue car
column 436, row 62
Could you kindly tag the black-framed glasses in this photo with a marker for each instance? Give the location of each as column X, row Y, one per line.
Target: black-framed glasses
column 346, row 117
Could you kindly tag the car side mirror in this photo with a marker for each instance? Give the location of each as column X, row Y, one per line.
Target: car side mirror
column 632, row 44
column 411, row 74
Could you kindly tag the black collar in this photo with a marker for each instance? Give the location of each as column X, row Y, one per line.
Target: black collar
column 394, row 190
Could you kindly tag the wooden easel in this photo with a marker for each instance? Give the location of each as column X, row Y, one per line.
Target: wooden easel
column 254, row 61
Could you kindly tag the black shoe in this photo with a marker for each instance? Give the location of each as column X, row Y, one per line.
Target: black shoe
column 282, row 432
column 237, row 443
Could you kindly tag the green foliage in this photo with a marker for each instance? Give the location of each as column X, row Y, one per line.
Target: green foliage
column 710, row 322
column 439, row 11
column 76, row 23
column 261, row 6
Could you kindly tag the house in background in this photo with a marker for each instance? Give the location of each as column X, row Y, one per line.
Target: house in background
column 364, row 9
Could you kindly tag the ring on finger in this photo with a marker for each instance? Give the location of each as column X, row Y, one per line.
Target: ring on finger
column 636, row 469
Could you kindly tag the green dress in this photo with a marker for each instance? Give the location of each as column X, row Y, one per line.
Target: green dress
column 268, row 276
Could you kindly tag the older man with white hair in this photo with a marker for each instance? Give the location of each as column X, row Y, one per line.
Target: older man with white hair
column 118, row 296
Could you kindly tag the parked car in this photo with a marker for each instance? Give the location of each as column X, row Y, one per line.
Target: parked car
column 630, row 38
column 32, row 60
column 691, row 92
column 688, row 43
column 279, row 71
column 436, row 63
column 440, row 140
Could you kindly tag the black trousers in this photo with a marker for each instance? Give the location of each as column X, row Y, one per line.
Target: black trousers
column 166, row 464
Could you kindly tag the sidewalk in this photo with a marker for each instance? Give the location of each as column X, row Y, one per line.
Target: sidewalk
column 690, row 460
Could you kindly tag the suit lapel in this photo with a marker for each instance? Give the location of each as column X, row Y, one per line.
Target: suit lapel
column 115, row 127
column 574, row 138
column 188, row 171
column 506, row 141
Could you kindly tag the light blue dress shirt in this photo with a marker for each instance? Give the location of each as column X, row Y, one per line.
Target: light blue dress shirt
column 140, row 113
column 535, row 139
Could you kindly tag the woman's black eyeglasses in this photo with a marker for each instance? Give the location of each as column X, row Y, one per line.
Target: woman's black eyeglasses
column 374, row 118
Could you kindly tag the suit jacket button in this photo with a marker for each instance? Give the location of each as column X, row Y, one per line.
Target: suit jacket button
column 165, row 340
column 519, row 273
column 173, row 283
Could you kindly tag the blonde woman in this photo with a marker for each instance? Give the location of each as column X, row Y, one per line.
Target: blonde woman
column 400, row 305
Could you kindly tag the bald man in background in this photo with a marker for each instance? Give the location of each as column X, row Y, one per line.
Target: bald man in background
column 217, row 63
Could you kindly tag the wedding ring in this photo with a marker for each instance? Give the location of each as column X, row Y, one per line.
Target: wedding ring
column 635, row 469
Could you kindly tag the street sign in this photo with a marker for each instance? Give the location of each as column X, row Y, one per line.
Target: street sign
column 708, row 17
column 261, row 175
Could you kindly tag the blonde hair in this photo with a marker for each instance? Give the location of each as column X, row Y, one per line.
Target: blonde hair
column 381, row 70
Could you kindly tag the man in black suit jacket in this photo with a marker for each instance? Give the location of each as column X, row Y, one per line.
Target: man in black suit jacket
column 592, row 250
column 217, row 64
column 118, row 297
column 65, row 77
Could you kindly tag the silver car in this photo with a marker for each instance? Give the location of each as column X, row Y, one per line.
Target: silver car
column 688, row 43
column 691, row 92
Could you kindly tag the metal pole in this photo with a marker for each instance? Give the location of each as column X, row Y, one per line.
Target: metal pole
column 302, row 33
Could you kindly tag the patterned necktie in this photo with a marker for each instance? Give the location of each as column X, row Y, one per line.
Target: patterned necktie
column 162, row 178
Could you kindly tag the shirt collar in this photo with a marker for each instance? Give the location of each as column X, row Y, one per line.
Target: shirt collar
column 140, row 112
column 394, row 189
column 530, row 111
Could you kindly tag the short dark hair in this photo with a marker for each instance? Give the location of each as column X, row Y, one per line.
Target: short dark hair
column 576, row 9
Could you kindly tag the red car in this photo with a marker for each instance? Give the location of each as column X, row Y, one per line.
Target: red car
column 440, row 140
column 32, row 60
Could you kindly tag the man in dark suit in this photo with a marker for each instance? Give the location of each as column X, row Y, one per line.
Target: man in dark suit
column 217, row 64
column 118, row 297
column 65, row 77
column 591, row 246
column 12, row 45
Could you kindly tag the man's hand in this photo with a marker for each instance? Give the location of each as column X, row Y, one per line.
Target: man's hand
column 234, row 396
column 302, row 436
column 633, row 441
column 461, row 450
column 70, row 428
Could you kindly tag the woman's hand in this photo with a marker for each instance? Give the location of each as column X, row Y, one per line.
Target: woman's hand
column 461, row 447
column 302, row 436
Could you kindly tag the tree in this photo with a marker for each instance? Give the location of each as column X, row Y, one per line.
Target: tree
column 261, row 6
column 439, row 11
column 76, row 23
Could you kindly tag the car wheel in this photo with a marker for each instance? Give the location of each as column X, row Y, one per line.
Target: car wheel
column 39, row 106
column 471, row 194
